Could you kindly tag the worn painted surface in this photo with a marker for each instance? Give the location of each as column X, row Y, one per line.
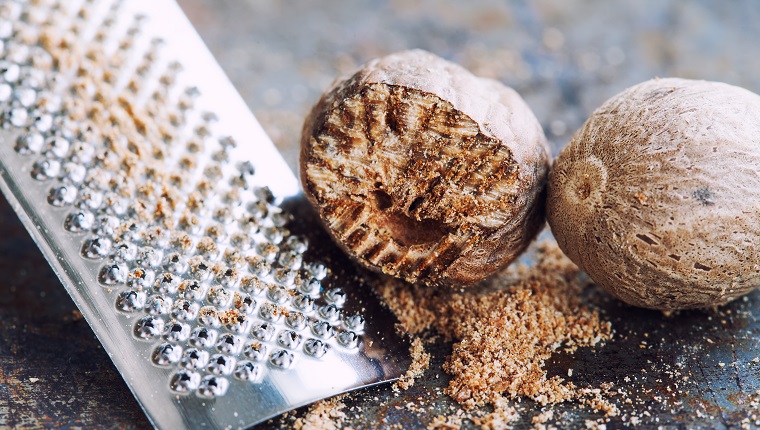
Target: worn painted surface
column 692, row 370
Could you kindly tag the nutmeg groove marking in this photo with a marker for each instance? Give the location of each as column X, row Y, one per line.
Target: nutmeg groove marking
column 647, row 239
column 437, row 168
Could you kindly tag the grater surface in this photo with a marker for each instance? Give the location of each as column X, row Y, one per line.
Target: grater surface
column 173, row 222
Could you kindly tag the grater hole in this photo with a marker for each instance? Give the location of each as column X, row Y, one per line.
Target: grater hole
column 131, row 301
column 220, row 364
column 281, row 359
column 185, row 381
column 149, row 327
column 247, row 371
column 166, row 354
column 194, row 359
column 212, row 386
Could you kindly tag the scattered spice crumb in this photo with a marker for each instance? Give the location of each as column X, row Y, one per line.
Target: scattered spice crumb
column 229, row 316
column 74, row 316
column 420, row 363
column 445, row 422
column 324, row 415
column 595, row 425
column 503, row 415
column 506, row 330
column 543, row 417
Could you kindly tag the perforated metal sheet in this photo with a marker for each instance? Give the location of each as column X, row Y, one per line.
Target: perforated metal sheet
column 159, row 202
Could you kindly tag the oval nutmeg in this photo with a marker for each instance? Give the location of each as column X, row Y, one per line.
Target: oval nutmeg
column 423, row 171
column 657, row 196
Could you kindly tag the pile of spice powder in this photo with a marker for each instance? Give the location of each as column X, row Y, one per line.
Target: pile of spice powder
column 506, row 329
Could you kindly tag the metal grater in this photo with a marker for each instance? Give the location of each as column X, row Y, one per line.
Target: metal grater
column 161, row 205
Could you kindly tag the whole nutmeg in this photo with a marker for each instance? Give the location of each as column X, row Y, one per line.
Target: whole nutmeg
column 657, row 197
column 423, row 171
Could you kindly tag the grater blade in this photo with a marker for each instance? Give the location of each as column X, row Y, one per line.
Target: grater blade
column 172, row 221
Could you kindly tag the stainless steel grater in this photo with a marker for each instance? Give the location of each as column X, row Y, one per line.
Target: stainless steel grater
column 173, row 222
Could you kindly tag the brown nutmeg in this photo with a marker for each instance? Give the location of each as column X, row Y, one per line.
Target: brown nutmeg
column 657, row 197
column 423, row 171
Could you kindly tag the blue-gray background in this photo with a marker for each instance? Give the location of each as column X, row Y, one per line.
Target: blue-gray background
column 564, row 57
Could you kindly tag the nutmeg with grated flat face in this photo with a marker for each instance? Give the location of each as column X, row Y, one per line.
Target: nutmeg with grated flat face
column 657, row 197
column 423, row 171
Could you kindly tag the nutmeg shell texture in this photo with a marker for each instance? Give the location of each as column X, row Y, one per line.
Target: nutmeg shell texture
column 657, row 196
column 423, row 171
